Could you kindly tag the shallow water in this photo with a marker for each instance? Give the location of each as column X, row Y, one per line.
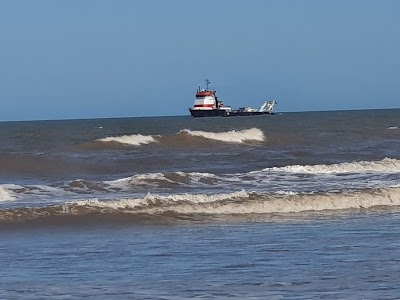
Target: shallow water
column 343, row 256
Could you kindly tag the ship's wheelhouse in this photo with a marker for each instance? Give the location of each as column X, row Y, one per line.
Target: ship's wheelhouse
column 205, row 100
column 200, row 94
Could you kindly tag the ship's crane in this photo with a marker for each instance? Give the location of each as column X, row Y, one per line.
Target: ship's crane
column 268, row 105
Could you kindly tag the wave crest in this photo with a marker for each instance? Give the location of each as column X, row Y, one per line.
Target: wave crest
column 251, row 203
column 5, row 195
column 134, row 139
column 232, row 136
column 187, row 136
column 384, row 165
column 198, row 207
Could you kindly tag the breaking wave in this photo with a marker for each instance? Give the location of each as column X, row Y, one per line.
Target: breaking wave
column 134, row 139
column 198, row 207
column 250, row 203
column 165, row 180
column 181, row 138
column 5, row 195
column 386, row 165
column 289, row 179
column 363, row 174
column 233, row 136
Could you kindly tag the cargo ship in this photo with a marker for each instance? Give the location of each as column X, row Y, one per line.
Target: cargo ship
column 207, row 104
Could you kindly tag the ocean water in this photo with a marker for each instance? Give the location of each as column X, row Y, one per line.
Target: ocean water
column 289, row 206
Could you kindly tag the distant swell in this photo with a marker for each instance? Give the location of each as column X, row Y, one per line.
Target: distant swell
column 198, row 207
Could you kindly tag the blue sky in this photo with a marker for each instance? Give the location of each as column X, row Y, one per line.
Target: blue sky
column 88, row 59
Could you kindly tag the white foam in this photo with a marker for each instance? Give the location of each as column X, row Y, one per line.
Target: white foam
column 167, row 200
column 289, row 193
column 120, row 182
column 387, row 165
column 358, row 175
column 392, row 127
column 6, row 195
column 134, row 139
column 149, row 178
column 314, row 202
column 233, row 136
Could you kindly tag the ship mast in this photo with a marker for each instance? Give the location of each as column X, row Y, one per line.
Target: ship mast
column 207, row 83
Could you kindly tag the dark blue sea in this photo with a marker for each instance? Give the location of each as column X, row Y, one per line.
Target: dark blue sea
column 285, row 206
